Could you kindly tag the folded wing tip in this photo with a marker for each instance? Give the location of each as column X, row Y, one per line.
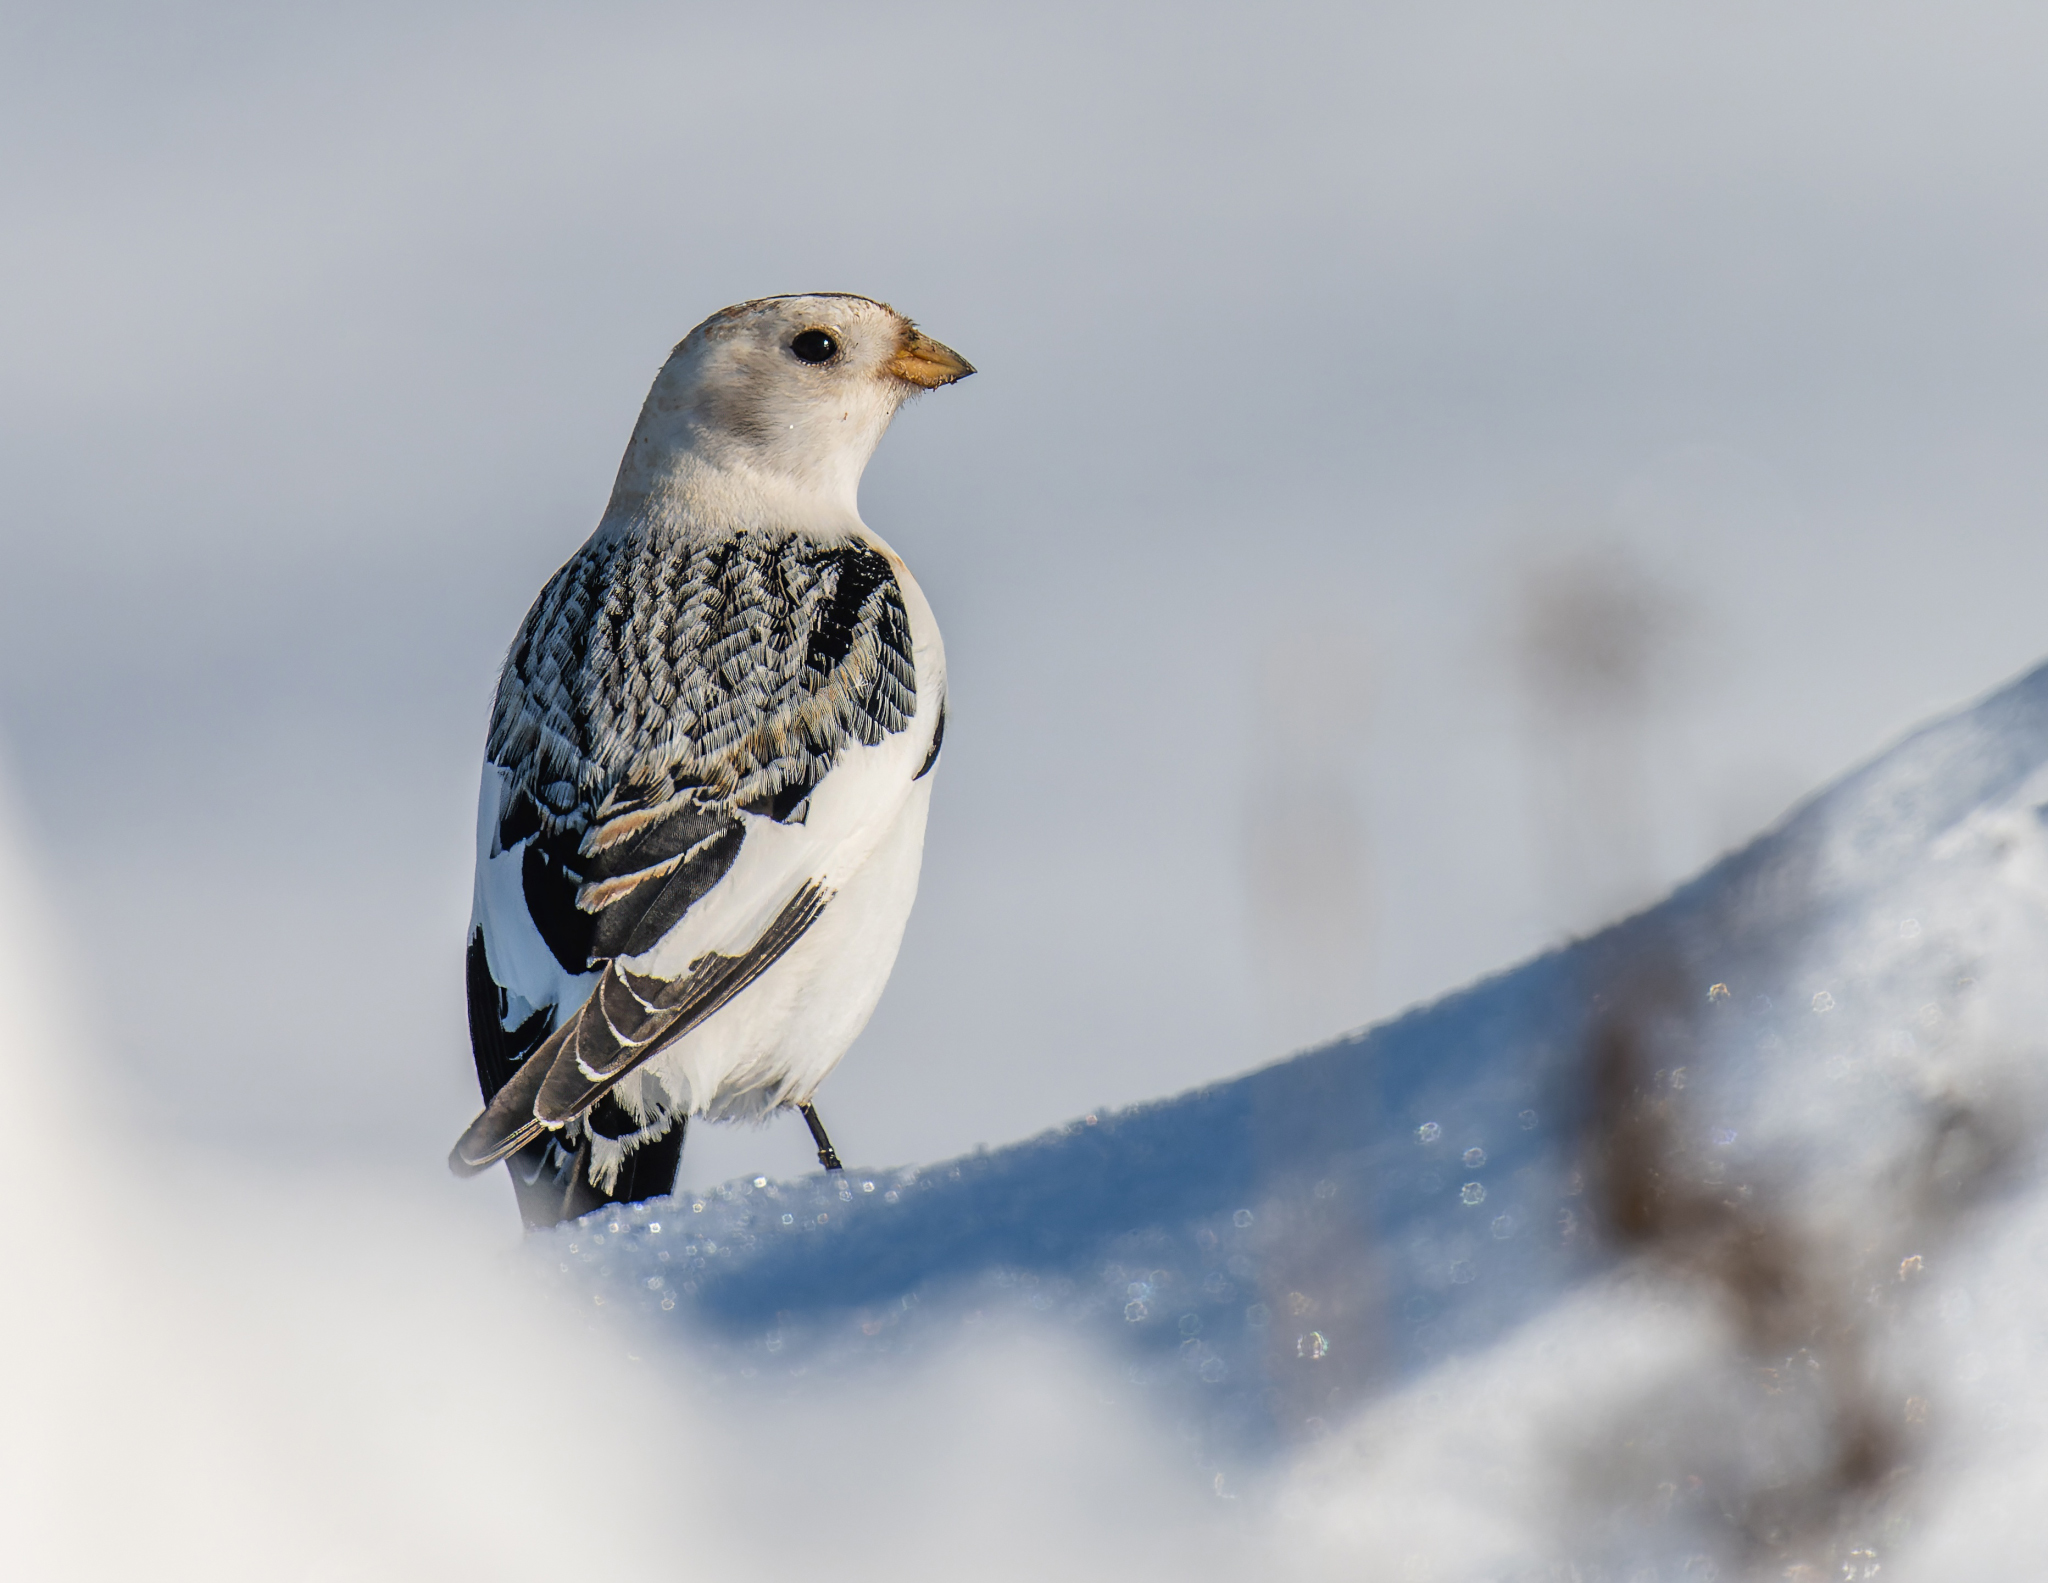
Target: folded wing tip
column 478, row 1149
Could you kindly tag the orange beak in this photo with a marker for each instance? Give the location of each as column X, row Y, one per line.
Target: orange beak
column 926, row 364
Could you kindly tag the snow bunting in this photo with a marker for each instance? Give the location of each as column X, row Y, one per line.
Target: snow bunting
column 709, row 762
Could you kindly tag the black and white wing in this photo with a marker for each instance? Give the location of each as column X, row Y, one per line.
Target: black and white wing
column 652, row 835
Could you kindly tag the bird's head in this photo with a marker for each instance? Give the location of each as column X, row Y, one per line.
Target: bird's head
column 784, row 395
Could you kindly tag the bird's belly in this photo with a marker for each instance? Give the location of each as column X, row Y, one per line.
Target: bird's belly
column 780, row 1037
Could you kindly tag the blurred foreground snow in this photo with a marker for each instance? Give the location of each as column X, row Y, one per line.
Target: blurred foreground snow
column 1711, row 1246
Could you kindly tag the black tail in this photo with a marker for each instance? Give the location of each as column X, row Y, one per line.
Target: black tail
column 551, row 1175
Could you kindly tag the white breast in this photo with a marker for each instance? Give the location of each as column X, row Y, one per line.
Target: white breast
column 864, row 839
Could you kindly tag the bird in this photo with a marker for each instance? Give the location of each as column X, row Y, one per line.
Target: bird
column 707, row 770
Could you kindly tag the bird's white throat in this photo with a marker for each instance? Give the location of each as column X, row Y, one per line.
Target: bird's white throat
column 716, row 450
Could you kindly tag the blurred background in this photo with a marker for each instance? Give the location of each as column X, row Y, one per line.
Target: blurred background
column 1438, row 476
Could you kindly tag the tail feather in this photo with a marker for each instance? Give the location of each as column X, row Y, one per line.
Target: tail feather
column 549, row 1161
column 553, row 1181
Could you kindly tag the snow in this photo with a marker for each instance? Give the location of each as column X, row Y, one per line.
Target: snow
column 1711, row 1245
column 1822, row 1057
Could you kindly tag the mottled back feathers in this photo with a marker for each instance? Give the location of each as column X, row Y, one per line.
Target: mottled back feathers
column 661, row 686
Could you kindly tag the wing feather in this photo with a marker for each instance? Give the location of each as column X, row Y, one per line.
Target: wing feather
column 627, row 1019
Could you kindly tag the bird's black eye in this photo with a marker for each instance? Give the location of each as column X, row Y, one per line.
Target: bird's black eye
column 814, row 346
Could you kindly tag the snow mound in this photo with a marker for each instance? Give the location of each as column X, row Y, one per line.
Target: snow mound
column 1701, row 1242
column 1713, row 1246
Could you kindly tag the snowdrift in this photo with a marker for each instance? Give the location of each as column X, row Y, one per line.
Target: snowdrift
column 1711, row 1246
column 1763, row 1121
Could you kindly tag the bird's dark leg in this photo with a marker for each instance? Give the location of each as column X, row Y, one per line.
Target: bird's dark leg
column 827, row 1155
